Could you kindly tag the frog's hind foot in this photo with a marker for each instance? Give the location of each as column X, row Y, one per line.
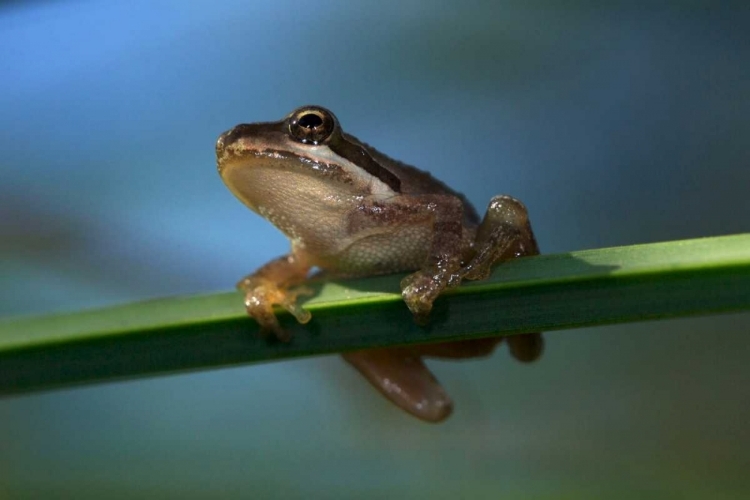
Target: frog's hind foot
column 402, row 377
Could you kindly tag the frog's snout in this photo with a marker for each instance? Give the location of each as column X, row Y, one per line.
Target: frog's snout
column 221, row 141
column 224, row 144
column 232, row 136
column 225, row 139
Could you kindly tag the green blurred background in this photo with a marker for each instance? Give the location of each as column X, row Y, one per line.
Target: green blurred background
column 615, row 124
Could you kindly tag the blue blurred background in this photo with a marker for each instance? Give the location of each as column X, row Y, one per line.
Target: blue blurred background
column 615, row 125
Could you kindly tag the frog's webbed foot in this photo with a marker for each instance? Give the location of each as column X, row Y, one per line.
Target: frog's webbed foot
column 260, row 298
column 269, row 286
column 401, row 376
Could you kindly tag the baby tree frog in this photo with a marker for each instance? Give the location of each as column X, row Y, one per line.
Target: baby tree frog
column 350, row 210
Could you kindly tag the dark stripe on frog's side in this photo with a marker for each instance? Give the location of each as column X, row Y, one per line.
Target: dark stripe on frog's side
column 416, row 181
column 359, row 156
column 352, row 151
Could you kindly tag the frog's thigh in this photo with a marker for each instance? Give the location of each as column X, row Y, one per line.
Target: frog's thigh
column 460, row 349
column 507, row 218
column 505, row 233
column 401, row 376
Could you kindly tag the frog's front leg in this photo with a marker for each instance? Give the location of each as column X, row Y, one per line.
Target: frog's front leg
column 269, row 286
column 437, row 253
column 440, row 269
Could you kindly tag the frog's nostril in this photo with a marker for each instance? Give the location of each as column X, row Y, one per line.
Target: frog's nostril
column 226, row 139
column 221, row 150
column 231, row 136
column 223, row 143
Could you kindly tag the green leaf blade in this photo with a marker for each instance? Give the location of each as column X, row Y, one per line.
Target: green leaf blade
column 550, row 292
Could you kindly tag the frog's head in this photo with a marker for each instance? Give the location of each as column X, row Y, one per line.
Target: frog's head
column 307, row 149
column 306, row 132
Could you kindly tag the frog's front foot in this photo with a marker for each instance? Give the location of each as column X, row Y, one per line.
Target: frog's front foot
column 420, row 289
column 260, row 298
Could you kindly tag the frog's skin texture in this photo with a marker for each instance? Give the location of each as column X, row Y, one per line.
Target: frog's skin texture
column 349, row 210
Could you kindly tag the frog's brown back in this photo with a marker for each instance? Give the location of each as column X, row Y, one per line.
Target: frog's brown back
column 417, row 181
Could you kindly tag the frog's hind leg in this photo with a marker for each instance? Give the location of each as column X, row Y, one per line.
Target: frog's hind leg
column 505, row 233
column 460, row 349
column 401, row 376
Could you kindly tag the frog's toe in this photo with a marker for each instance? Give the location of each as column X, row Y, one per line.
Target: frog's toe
column 526, row 347
column 289, row 302
column 419, row 291
column 262, row 312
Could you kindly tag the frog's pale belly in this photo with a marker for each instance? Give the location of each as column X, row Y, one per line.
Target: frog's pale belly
column 333, row 245
column 314, row 217
column 379, row 251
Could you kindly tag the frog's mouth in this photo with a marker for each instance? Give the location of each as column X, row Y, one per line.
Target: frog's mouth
column 244, row 157
column 248, row 147
column 229, row 148
column 247, row 140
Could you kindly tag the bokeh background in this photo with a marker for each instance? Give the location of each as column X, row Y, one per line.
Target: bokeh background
column 615, row 123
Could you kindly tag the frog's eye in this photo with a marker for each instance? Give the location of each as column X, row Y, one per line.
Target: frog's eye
column 311, row 124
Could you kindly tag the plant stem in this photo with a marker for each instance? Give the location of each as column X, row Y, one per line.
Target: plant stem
column 549, row 292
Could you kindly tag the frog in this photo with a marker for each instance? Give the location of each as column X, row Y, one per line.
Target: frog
column 350, row 211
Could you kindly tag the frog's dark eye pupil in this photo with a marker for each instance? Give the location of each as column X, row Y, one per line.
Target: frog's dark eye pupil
column 310, row 121
column 311, row 125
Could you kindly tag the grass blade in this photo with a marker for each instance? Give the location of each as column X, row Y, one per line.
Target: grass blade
column 549, row 292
